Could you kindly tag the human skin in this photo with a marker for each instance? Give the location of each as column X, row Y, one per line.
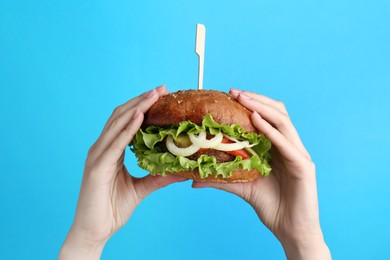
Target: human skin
column 109, row 194
column 286, row 200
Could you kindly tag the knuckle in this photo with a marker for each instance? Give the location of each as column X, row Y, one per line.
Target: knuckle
column 139, row 193
column 129, row 128
column 116, row 146
column 307, row 167
column 117, row 111
column 310, row 166
column 282, row 106
column 286, row 118
column 282, row 121
column 114, row 123
column 92, row 149
column 89, row 163
column 313, row 166
column 306, row 153
column 90, row 153
column 92, row 167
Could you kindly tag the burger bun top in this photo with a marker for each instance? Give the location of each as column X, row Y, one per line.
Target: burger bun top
column 193, row 105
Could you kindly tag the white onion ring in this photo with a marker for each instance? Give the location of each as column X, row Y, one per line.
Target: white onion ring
column 202, row 142
column 190, row 150
column 232, row 146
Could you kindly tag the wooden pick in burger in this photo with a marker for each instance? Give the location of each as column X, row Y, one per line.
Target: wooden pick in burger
column 217, row 141
column 199, row 49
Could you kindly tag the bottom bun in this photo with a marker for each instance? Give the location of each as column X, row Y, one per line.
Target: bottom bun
column 237, row 176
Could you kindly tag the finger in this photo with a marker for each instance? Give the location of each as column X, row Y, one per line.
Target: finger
column 119, row 123
column 116, row 149
column 118, row 111
column 148, row 184
column 264, row 99
column 240, row 189
column 282, row 144
column 160, row 90
column 276, row 118
column 143, row 105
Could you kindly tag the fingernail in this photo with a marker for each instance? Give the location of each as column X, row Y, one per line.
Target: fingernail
column 161, row 88
column 244, row 96
column 235, row 91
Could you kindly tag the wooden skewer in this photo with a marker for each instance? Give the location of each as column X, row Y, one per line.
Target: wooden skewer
column 199, row 49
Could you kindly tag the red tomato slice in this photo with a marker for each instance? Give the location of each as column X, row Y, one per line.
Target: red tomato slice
column 226, row 141
column 243, row 153
column 202, row 150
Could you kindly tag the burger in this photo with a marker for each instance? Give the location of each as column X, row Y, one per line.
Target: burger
column 204, row 135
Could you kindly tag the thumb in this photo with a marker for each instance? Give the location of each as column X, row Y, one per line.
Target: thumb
column 148, row 184
column 240, row 189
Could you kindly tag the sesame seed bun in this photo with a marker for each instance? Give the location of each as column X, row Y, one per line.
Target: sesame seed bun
column 193, row 105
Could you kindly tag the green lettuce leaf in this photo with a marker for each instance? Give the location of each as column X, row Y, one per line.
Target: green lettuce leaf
column 151, row 158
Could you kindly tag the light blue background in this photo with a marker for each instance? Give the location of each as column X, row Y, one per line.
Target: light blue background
column 65, row 65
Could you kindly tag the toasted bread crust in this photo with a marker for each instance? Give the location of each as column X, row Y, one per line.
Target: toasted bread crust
column 193, row 105
column 238, row 176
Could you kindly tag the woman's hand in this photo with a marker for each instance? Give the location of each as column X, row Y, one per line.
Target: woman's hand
column 109, row 194
column 286, row 200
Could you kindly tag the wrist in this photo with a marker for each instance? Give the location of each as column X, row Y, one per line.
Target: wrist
column 307, row 248
column 78, row 247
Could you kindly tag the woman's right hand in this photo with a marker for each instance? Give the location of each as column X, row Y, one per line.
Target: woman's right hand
column 286, row 200
column 109, row 193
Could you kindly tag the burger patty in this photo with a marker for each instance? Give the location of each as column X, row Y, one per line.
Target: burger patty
column 219, row 155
